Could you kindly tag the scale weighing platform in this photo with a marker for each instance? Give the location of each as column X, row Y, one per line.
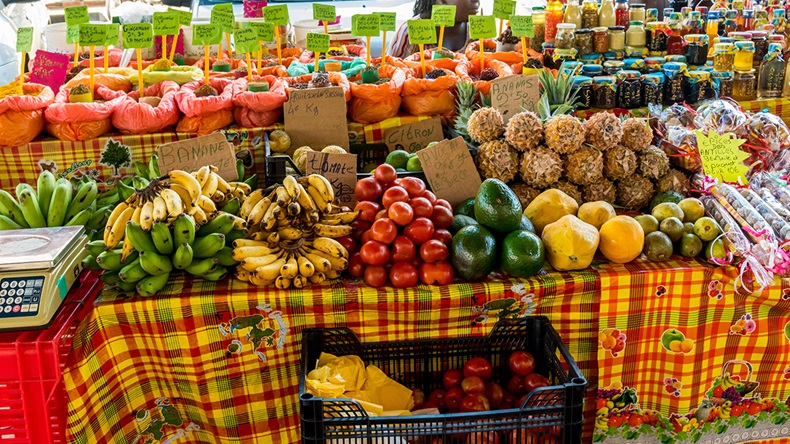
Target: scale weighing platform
column 37, row 268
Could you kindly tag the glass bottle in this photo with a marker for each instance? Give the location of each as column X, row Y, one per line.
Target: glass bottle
column 629, row 89
column 616, row 38
column 760, row 18
column 780, row 39
column 675, row 41
column 636, row 13
column 675, row 73
column 698, row 84
column 778, row 21
column 573, row 14
column 786, row 85
column 653, row 89
column 696, row 49
column 589, row 14
column 760, row 40
column 584, row 42
column 635, row 36
column 606, row 14
column 621, row 13
column 604, row 92
column 772, row 72
column 747, row 20
column 695, row 23
column 744, row 85
column 600, row 39
column 582, row 86
column 657, row 38
column 744, row 55
column 539, row 26
column 553, row 18
column 722, row 83
column 731, row 21
column 712, row 26
column 722, row 20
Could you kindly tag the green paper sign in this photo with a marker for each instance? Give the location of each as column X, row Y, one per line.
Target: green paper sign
column 246, row 40
column 184, row 17
column 422, row 31
column 165, row 23
column 482, row 27
column 365, row 25
column 72, row 34
column 222, row 15
column 76, row 15
column 277, row 15
column 387, row 21
column 138, row 35
column 324, row 12
column 24, row 39
column 443, row 15
column 317, row 42
column 503, row 9
column 265, row 30
column 92, row 35
column 522, row 26
column 113, row 34
column 722, row 157
column 206, row 34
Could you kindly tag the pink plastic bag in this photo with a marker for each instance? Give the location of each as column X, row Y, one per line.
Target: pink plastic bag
column 132, row 117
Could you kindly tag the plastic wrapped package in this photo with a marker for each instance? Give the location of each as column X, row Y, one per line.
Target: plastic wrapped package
column 204, row 115
column 721, row 116
column 780, row 227
column 510, row 57
column 430, row 97
column 680, row 143
column 676, row 115
column 766, row 130
column 335, row 78
column 117, row 79
column 178, row 74
column 132, row 117
column 466, row 70
column 22, row 117
column 372, row 103
column 730, row 227
column 83, row 120
column 742, row 211
column 258, row 109
column 774, row 203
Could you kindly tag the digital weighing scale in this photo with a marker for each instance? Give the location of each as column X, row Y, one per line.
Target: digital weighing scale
column 37, row 268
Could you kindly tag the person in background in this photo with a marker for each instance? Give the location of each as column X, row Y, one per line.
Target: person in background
column 455, row 38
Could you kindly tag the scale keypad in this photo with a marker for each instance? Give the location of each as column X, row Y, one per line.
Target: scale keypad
column 20, row 296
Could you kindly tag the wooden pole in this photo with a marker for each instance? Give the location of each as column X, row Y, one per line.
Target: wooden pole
column 422, row 60
column 175, row 41
column 140, row 73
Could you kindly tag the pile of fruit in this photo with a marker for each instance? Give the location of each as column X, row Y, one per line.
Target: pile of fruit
column 403, row 161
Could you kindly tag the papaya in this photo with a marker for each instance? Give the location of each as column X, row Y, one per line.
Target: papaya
column 549, row 207
column 570, row 243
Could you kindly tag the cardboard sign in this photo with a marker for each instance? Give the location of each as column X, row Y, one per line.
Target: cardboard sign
column 482, row 27
column 421, row 31
column 450, row 170
column 113, row 34
column 414, row 136
column 722, row 157
column 317, row 42
column 49, row 68
column 191, row 154
column 222, row 15
column 522, row 26
column 317, row 117
column 339, row 169
column 326, row 13
column 72, row 34
column 184, row 17
column 365, row 25
column 265, row 30
column 92, row 35
column 138, row 35
column 246, row 40
column 509, row 94
column 387, row 21
column 503, row 9
column 254, row 9
column 165, row 23
column 277, row 15
column 76, row 15
column 443, row 15
column 206, row 34
column 24, row 39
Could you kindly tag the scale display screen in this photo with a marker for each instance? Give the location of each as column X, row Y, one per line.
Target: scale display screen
column 20, row 296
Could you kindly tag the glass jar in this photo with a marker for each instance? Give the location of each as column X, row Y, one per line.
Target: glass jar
column 772, row 73
column 553, row 18
column 621, row 13
column 589, row 14
column 760, row 40
column 744, row 85
column 676, row 59
column 636, row 13
column 573, row 13
column 563, row 55
column 675, row 73
column 614, row 55
column 723, row 56
column 731, row 21
column 722, row 83
column 675, row 40
column 584, row 42
column 779, row 21
column 612, row 67
column 600, row 39
column 741, row 36
column 696, row 49
column 629, row 89
column 592, row 70
column 761, row 19
column 606, row 14
column 605, row 92
column 696, row 82
column 565, row 38
column 570, row 68
column 539, row 26
column 635, row 35
column 778, row 38
column 712, row 25
column 744, row 55
column 617, row 38
column 634, row 64
column 654, row 64
column 592, row 59
column 582, row 87
column 653, row 89
column 657, row 38
column 695, row 23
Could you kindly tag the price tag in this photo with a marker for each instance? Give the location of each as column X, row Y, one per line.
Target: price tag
column 365, row 25
column 522, row 26
column 191, row 154
column 184, row 17
column 317, row 42
column 265, row 30
column 450, row 170
column 503, row 9
column 443, row 15
column 422, row 31
column 113, row 34
column 339, row 169
column 515, row 93
column 138, row 35
column 276, row 14
column 387, row 21
column 165, row 23
column 482, row 27
column 206, row 34
column 722, row 157
column 246, row 40
column 222, row 15
column 324, row 13
column 72, row 34
column 24, row 39
column 317, row 117
column 76, row 15
column 92, row 35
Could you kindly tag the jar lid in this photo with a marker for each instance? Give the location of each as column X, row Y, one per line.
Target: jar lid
column 605, row 80
column 768, row 28
column 592, row 70
column 779, row 38
column 596, row 59
column 547, row 45
column 569, row 53
column 685, row 10
column 723, row 39
column 748, row 13
column 622, row 1
column 774, row 47
column 655, row 61
column 633, row 63
column 675, row 16
column 696, row 38
column 749, row 71
column 636, row 23
column 566, row 26
column 638, row 5
column 721, row 75
column 616, row 28
column 653, row 79
column 740, row 35
column 731, row 14
column 699, row 75
column 572, row 65
column 598, row 29
column 583, row 31
column 618, row 64
column 674, row 66
column 628, row 74
column 695, row 15
column 779, row 13
column 723, row 48
column 676, row 59
column 582, row 80
column 613, row 55
column 656, row 25
column 539, row 8
column 745, row 46
column 759, row 35
column 713, row 15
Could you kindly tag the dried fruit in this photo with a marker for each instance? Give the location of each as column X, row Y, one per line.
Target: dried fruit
column 637, row 135
column 584, row 166
column 634, row 192
column 540, row 167
column 488, row 74
column 205, row 91
column 653, row 162
column 619, row 163
column 485, row 125
column 603, row 130
column 524, row 131
column 497, row 160
column 563, row 134
column 435, row 74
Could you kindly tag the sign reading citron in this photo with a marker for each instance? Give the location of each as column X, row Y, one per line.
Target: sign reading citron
column 621, row 239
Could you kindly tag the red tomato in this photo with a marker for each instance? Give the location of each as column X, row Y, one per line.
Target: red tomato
column 422, row 207
column 394, row 194
column 718, row 391
column 433, row 251
column 453, row 397
column 375, row 275
column 367, row 210
column 366, row 237
column 414, row 186
column 385, row 174
column 403, row 249
column 368, row 189
column 478, row 367
column 475, row 403
column 374, row 253
column 535, row 380
column 521, row 363
column 401, row 213
column 416, row 261
column 356, row 267
column 483, row 438
column 437, row 397
column 443, row 235
column 495, row 394
column 403, row 275
column 615, row 421
column 516, row 385
column 442, row 217
column 440, row 273
column 419, row 398
column 443, row 203
column 452, row 378
column 419, row 230
column 360, row 226
column 430, row 196
column 381, row 214
column 384, row 230
column 348, row 243
column 473, row 385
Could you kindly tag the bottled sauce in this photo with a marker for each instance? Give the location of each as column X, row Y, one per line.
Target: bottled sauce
column 722, row 20
column 548, row 56
column 675, row 73
column 539, row 26
column 712, row 26
column 604, row 92
column 747, row 20
column 606, row 14
column 584, row 41
column 744, row 55
column 553, row 18
column 772, row 72
column 600, row 39
column 722, row 82
column 636, row 13
column 657, row 38
column 723, row 56
column 653, row 89
column 582, row 86
column 573, row 14
column 629, row 89
column 589, row 14
column 744, row 85
column 760, row 40
column 621, row 13
column 675, row 40
column 696, row 49
column 617, row 38
column 635, row 36
column 778, row 38
column 565, row 38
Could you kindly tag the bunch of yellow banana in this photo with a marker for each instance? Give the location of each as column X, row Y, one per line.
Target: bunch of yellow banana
column 227, row 196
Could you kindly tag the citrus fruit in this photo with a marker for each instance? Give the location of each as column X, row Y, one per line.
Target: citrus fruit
column 666, row 210
column 466, row 207
column 672, row 227
column 398, row 159
column 522, row 254
column 692, row 208
column 622, row 239
column 707, row 229
column 648, row 222
column 413, row 164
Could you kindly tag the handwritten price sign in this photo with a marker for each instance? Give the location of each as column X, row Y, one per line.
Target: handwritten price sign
column 246, row 40
column 443, row 15
column 222, row 15
column 277, row 15
column 386, row 21
column 93, row 35
column 365, row 25
column 522, row 26
column 138, row 35
column 265, row 30
column 503, row 9
column 509, row 94
column 165, row 23
column 76, row 15
column 722, row 157
column 324, row 12
column 206, row 34
column 482, row 27
column 422, row 31
column 317, row 42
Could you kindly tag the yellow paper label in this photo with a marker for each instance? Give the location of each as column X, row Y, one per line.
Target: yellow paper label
column 722, row 157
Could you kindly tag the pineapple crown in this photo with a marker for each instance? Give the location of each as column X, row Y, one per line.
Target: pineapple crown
column 557, row 97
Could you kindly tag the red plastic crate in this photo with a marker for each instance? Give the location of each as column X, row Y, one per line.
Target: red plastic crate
column 33, row 402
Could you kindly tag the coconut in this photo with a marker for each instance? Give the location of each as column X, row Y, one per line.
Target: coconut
column 584, row 166
column 619, row 162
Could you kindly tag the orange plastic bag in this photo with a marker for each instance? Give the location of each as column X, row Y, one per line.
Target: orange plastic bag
column 335, row 78
column 354, row 51
column 22, row 117
column 132, row 117
column 426, row 97
column 204, row 115
column 82, row 121
column 413, row 61
column 511, row 57
column 374, row 103
column 466, row 69
column 117, row 79
column 258, row 109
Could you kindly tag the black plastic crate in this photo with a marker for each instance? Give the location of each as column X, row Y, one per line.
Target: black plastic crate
column 421, row 364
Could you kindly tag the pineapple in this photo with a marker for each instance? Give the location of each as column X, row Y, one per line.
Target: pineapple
column 619, row 162
column 564, row 134
column 497, row 160
column 569, row 189
column 584, row 166
column 465, row 106
column 540, row 167
column 634, row 192
column 653, row 162
column 485, row 125
column 524, row 131
column 637, row 134
column 674, row 180
column 603, row 130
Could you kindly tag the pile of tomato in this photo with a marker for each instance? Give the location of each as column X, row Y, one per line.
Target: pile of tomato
column 402, row 232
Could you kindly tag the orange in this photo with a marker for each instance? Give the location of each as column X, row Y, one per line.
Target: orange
column 621, row 239
column 686, row 346
column 675, row 346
